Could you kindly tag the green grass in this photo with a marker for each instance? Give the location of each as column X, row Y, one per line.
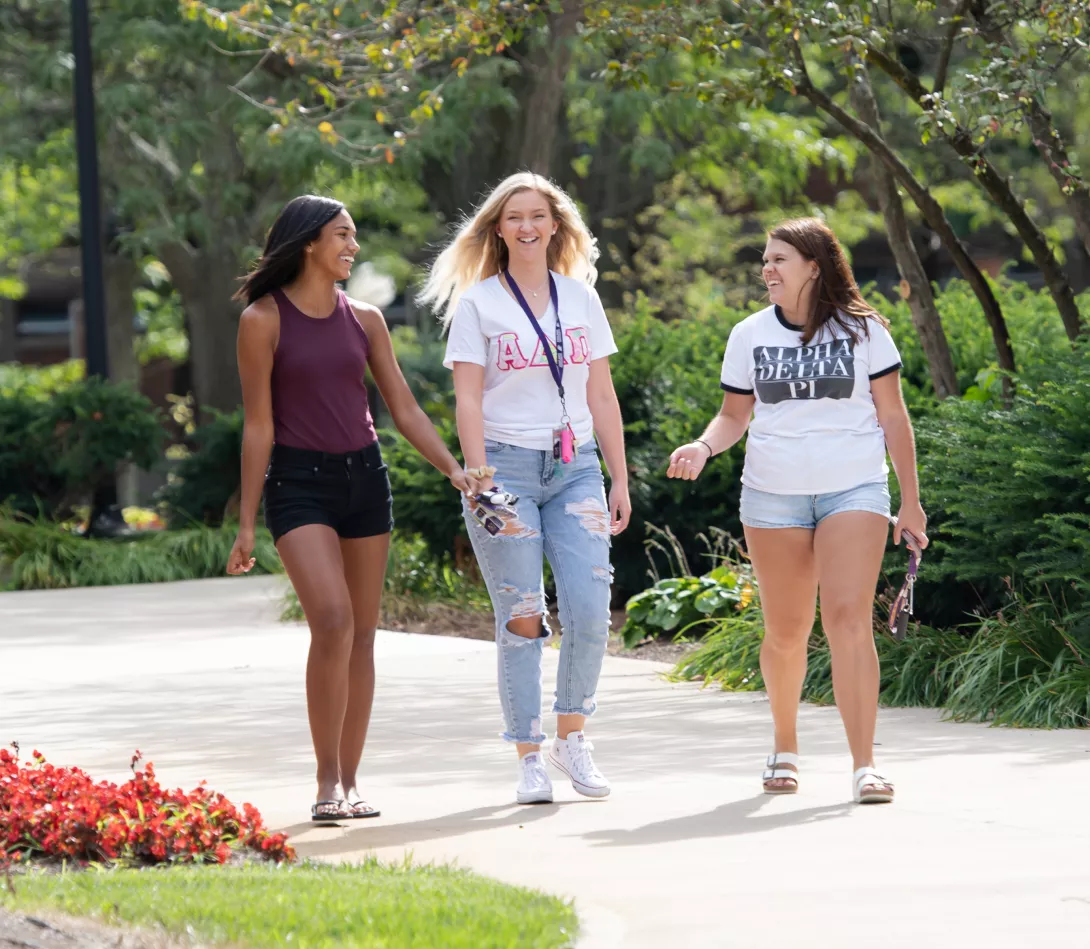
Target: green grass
column 44, row 556
column 312, row 906
column 1023, row 667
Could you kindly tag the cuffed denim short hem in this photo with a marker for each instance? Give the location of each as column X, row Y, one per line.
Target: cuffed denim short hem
column 762, row 509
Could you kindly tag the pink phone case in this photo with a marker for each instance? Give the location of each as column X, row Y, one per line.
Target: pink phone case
column 567, row 446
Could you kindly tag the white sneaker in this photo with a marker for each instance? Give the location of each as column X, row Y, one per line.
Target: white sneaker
column 572, row 756
column 534, row 784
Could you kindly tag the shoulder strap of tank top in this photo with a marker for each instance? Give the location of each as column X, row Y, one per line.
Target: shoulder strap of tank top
column 282, row 301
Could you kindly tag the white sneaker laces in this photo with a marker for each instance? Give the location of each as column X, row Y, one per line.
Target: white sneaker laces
column 582, row 763
column 534, row 773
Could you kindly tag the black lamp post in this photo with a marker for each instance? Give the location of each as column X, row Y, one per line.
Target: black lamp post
column 106, row 518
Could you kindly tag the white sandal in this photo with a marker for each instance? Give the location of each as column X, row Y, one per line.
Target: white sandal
column 773, row 772
column 879, row 789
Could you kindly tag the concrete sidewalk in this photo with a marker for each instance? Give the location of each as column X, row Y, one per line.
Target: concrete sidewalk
column 985, row 845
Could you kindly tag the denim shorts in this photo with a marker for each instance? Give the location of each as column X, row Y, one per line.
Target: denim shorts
column 766, row 510
column 349, row 492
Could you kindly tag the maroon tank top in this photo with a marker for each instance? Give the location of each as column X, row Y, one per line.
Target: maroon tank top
column 319, row 399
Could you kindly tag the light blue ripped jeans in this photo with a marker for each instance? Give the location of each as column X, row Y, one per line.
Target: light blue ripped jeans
column 564, row 518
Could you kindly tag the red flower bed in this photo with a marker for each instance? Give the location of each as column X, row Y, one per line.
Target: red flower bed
column 46, row 811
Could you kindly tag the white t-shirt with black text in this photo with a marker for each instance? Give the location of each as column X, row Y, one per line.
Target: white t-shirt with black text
column 521, row 404
column 814, row 427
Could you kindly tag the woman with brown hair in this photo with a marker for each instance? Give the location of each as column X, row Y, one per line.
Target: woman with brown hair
column 815, row 378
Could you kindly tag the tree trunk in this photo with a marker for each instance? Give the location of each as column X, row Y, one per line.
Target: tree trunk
column 921, row 301
column 932, row 213
column 205, row 281
column 1001, row 192
column 8, row 311
column 1046, row 137
column 550, row 60
column 120, row 313
column 503, row 140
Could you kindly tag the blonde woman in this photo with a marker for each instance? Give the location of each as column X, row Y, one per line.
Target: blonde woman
column 529, row 345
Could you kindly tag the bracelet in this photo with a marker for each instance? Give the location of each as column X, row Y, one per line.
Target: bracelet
column 711, row 454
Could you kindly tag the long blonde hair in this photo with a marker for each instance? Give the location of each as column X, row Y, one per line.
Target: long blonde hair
column 478, row 252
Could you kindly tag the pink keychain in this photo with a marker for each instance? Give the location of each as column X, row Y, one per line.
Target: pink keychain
column 567, row 445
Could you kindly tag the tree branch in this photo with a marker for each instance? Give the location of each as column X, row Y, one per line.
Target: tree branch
column 921, row 300
column 953, row 27
column 930, row 208
column 999, row 189
column 1046, row 137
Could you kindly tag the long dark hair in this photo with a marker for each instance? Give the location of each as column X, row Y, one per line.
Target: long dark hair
column 298, row 225
column 836, row 297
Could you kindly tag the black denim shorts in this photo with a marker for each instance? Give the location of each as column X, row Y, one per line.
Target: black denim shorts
column 350, row 492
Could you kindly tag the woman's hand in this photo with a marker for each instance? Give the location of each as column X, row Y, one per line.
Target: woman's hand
column 240, row 561
column 911, row 519
column 464, row 482
column 688, row 461
column 471, row 481
column 620, row 508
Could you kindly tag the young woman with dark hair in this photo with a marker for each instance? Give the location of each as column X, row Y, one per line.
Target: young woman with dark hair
column 309, row 442
column 815, row 378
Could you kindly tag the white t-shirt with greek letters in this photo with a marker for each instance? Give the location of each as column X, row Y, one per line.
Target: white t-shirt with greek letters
column 521, row 404
column 814, row 429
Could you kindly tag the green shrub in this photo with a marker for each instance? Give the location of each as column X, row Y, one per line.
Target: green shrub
column 59, row 442
column 667, row 381
column 684, row 601
column 681, row 604
column 44, row 556
column 425, row 503
column 39, row 382
column 420, row 356
column 1037, row 336
column 1009, row 497
column 412, row 572
column 27, row 476
column 416, row 578
column 200, row 487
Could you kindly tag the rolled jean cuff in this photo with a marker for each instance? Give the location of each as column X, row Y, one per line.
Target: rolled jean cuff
column 590, row 706
column 538, row 739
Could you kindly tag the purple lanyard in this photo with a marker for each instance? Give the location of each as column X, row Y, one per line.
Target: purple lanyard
column 556, row 370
